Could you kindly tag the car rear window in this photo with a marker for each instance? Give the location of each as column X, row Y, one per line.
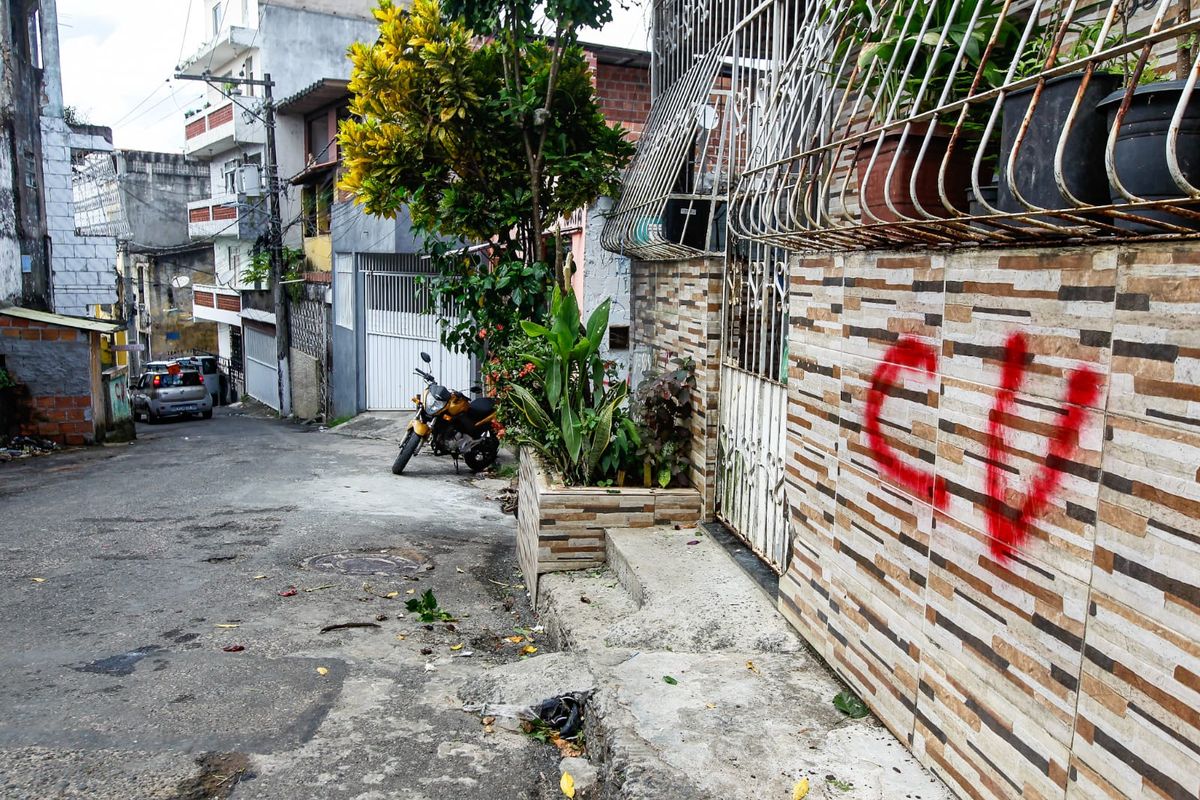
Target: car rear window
column 182, row 379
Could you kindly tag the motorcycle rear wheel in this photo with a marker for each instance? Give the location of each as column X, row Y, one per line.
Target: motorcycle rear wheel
column 407, row 450
column 481, row 457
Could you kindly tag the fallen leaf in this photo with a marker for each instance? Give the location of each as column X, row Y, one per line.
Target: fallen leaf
column 710, row 705
column 346, row 625
column 528, row 650
column 227, row 625
column 694, row 541
column 800, row 790
column 460, row 570
column 233, row 648
column 259, row 577
column 430, row 667
column 288, row 592
column 670, row 680
column 567, row 784
column 518, row 586
column 488, row 720
column 750, row 666
column 390, row 595
column 489, row 728
column 402, row 636
column 320, row 588
column 411, row 591
column 39, row 580
column 583, row 598
column 514, row 639
column 456, row 647
column 322, row 671
column 426, row 651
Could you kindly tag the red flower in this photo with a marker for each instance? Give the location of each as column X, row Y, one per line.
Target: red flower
column 499, row 326
column 483, row 333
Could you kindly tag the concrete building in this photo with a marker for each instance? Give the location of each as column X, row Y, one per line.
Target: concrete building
column 44, row 261
column 296, row 42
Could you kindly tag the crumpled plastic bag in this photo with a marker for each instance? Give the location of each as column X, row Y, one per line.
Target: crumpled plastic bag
column 563, row 713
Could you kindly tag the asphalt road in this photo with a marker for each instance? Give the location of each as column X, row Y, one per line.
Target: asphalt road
column 120, row 565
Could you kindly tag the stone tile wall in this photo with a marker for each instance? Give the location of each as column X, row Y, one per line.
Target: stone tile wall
column 1069, row 665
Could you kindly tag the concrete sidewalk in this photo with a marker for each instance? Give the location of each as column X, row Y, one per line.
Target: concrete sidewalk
column 700, row 689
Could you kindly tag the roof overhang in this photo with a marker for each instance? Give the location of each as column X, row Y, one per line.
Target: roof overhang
column 61, row 320
column 316, row 96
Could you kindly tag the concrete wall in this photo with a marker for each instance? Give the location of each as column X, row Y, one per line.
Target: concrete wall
column 606, row 276
column 83, row 267
column 155, row 191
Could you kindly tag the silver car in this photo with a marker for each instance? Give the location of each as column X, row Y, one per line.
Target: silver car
column 169, row 394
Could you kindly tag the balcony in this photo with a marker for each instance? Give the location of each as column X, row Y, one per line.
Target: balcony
column 223, row 128
column 844, row 125
column 231, row 215
column 232, row 43
column 217, row 304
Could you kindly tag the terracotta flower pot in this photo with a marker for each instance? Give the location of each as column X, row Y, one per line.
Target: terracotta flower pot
column 874, row 177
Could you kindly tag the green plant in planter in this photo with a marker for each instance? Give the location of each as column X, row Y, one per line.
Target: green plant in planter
column 570, row 422
column 662, row 410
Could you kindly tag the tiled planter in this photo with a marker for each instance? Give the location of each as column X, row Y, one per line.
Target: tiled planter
column 562, row 527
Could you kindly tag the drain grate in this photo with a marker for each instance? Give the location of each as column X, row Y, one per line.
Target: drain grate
column 372, row 562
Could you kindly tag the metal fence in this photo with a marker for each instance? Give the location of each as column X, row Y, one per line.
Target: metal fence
column 939, row 122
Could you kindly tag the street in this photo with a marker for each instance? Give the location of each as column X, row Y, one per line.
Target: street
column 131, row 570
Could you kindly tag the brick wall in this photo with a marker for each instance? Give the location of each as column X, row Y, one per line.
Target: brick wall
column 54, row 363
column 623, row 94
column 1068, row 668
column 676, row 312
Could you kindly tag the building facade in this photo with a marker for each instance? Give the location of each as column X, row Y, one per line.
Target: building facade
column 935, row 271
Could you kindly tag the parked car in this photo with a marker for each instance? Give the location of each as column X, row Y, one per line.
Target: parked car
column 173, row 393
column 206, row 365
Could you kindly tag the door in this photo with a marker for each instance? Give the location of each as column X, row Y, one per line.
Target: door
column 262, row 365
column 752, row 418
column 399, row 327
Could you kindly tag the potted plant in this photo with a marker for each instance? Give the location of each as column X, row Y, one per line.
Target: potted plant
column 1033, row 158
column 1140, row 156
column 897, row 150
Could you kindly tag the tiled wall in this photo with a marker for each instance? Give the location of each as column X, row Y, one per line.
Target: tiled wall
column 1071, row 668
column 676, row 313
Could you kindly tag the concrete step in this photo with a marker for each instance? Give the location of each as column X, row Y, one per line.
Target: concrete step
column 747, row 710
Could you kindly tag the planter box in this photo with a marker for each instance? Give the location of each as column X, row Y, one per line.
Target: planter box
column 562, row 527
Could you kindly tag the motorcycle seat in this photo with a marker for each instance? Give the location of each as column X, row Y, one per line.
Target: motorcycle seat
column 481, row 407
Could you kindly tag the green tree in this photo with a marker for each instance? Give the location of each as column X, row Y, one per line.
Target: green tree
column 488, row 137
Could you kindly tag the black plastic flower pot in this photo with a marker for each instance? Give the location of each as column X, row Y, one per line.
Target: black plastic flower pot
column 1140, row 157
column 1083, row 154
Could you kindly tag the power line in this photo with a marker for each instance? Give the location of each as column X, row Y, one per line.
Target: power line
column 143, row 101
column 183, row 42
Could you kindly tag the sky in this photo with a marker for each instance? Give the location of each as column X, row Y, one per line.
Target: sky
column 118, row 58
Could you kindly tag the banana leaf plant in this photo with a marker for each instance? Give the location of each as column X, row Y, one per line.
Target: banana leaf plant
column 571, row 424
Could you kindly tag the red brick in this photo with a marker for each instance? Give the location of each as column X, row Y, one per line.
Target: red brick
column 49, row 429
column 13, row 332
column 82, row 401
column 75, row 439
column 31, row 334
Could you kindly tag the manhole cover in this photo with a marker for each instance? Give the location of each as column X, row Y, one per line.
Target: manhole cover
column 372, row 562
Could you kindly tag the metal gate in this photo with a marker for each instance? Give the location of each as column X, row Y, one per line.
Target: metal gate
column 752, row 428
column 399, row 327
column 262, row 365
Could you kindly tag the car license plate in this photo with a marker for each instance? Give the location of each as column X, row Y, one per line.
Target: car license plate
column 187, row 407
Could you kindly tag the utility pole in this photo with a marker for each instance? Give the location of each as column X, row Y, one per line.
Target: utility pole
column 283, row 343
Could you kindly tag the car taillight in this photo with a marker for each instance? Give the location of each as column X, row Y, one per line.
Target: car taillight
column 158, row 380
column 202, row 379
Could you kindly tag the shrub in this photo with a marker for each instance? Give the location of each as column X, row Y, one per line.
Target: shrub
column 662, row 410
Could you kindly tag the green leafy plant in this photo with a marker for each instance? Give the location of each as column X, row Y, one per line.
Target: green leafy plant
column 1079, row 42
column 662, row 410
column 570, row 421
column 426, row 607
column 258, row 270
column 850, row 704
column 840, row 785
column 6, row 380
column 508, row 365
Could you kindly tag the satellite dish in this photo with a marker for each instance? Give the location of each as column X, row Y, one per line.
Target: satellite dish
column 180, row 281
column 706, row 116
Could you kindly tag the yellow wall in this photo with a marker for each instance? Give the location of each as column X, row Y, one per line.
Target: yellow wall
column 319, row 251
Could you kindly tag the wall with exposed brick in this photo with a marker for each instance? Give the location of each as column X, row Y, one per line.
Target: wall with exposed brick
column 1068, row 667
column 623, row 94
column 55, row 364
column 676, row 312
column 562, row 527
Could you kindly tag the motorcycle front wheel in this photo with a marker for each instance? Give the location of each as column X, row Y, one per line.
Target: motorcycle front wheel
column 407, row 450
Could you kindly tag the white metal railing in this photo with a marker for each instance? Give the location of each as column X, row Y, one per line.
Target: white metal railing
column 937, row 122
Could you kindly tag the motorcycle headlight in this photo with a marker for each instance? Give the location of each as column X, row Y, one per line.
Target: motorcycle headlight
column 433, row 406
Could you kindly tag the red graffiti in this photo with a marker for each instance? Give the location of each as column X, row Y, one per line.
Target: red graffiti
column 905, row 354
column 1008, row 527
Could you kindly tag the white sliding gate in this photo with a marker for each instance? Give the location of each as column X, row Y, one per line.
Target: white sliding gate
column 752, row 427
column 399, row 326
column 262, row 365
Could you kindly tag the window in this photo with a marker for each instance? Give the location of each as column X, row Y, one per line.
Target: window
column 235, row 262
column 248, row 72
column 320, row 143
column 230, row 173
column 35, row 38
column 618, row 337
column 216, row 19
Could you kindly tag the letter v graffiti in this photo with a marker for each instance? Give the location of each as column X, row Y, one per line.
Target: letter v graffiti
column 1009, row 527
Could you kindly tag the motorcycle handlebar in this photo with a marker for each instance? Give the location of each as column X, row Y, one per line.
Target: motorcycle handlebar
column 428, row 378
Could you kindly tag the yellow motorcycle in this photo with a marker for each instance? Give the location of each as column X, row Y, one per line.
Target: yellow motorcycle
column 452, row 423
